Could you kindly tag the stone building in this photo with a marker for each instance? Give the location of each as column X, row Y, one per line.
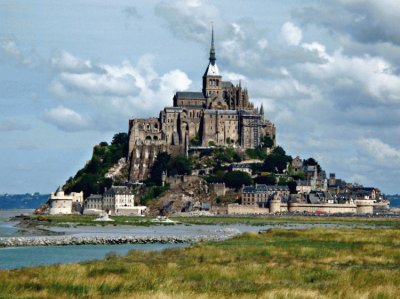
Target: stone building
column 220, row 114
column 61, row 203
column 118, row 200
column 261, row 195
column 93, row 204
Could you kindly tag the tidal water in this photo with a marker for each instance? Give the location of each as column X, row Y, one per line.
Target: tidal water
column 18, row 257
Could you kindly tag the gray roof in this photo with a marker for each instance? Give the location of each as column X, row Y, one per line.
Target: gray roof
column 240, row 166
column 118, row 190
column 226, row 84
column 221, row 112
column 94, row 197
column 190, row 95
column 313, row 198
column 261, row 188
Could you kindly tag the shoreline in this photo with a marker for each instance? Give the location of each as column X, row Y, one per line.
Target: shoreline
column 65, row 240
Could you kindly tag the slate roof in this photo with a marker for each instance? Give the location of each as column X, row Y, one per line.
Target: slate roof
column 94, row 197
column 190, row 95
column 221, row 112
column 226, row 84
column 261, row 188
column 118, row 190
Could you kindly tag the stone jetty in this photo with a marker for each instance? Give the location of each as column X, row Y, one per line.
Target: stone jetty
column 114, row 239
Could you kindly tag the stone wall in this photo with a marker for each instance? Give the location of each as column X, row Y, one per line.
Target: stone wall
column 323, row 208
column 236, row 209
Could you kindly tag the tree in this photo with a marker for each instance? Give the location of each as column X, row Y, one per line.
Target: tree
column 266, row 142
column 292, row 187
column 266, row 179
column 180, row 165
column 276, row 162
column 235, row 179
column 312, row 162
column 159, row 166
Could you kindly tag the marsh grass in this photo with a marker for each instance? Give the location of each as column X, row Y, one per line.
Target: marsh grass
column 85, row 220
column 312, row 263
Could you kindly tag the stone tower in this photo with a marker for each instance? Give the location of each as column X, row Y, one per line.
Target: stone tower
column 212, row 81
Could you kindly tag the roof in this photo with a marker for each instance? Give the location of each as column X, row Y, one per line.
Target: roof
column 226, row 84
column 118, row 190
column 313, row 198
column 240, row 166
column 221, row 112
column 261, row 188
column 212, row 70
column 190, row 95
column 95, row 196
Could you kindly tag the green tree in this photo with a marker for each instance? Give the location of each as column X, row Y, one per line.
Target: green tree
column 159, row 166
column 266, row 142
column 235, row 179
column 180, row 165
column 266, row 179
column 276, row 162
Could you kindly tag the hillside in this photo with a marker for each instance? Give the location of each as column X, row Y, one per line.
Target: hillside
column 22, row 201
column 92, row 179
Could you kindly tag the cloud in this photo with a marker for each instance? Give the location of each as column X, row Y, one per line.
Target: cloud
column 291, row 34
column 366, row 21
column 377, row 150
column 240, row 44
column 131, row 12
column 13, row 124
column 9, row 49
column 114, row 93
column 67, row 62
column 67, row 119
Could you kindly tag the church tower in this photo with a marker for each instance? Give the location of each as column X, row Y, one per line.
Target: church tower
column 212, row 83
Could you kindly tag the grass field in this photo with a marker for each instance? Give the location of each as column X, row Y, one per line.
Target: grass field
column 312, row 263
column 66, row 220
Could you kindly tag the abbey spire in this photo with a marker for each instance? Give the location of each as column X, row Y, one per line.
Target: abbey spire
column 212, row 84
column 212, row 49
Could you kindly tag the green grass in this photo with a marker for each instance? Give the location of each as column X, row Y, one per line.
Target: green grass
column 85, row 220
column 67, row 220
column 312, row 263
column 276, row 220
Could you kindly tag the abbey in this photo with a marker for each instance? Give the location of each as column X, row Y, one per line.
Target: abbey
column 221, row 114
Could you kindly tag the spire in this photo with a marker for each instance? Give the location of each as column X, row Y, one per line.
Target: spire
column 212, row 49
column 262, row 109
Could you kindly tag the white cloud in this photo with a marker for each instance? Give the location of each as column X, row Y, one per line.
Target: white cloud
column 67, row 119
column 9, row 48
column 116, row 92
column 291, row 34
column 13, row 124
column 68, row 62
column 379, row 151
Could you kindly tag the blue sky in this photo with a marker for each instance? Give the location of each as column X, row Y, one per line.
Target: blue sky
column 73, row 72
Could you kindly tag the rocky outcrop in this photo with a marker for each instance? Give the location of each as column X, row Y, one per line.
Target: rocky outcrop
column 220, row 235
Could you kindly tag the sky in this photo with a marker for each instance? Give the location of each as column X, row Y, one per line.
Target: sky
column 72, row 73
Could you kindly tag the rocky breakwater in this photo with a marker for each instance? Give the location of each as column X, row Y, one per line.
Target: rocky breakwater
column 218, row 235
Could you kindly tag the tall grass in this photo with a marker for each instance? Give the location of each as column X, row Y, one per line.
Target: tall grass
column 313, row 263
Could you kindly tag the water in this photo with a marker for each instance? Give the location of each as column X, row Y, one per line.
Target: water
column 18, row 257
column 7, row 228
